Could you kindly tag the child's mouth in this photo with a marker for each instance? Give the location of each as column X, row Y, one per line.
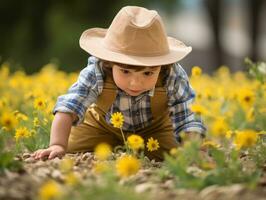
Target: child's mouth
column 135, row 91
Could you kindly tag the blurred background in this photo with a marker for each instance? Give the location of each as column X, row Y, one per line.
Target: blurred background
column 221, row 32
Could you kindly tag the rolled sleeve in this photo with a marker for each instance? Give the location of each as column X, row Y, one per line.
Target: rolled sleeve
column 80, row 95
column 181, row 96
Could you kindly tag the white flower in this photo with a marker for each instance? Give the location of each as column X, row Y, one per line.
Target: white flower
column 262, row 68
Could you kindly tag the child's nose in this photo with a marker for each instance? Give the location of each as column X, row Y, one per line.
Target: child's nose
column 135, row 81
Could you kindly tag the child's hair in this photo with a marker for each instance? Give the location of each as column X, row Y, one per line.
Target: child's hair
column 107, row 68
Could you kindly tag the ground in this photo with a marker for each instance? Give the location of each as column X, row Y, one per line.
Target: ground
column 26, row 183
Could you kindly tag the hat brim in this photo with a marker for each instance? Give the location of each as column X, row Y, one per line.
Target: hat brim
column 91, row 41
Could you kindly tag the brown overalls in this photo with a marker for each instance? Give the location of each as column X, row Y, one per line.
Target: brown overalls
column 94, row 129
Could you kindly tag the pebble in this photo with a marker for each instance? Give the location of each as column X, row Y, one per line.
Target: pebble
column 86, row 156
column 30, row 160
column 11, row 175
column 77, row 161
column 210, row 192
column 26, row 155
column 169, row 184
column 143, row 187
column 56, row 161
column 56, row 174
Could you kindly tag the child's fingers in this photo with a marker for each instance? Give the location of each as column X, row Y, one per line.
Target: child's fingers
column 44, row 153
column 36, row 153
column 33, row 154
column 54, row 154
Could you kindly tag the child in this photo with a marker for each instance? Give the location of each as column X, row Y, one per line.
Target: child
column 132, row 70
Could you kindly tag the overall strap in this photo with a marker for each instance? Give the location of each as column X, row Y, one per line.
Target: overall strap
column 107, row 97
column 158, row 101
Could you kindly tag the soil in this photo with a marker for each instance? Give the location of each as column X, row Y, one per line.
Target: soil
column 24, row 184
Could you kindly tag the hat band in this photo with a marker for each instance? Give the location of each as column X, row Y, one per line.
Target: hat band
column 134, row 53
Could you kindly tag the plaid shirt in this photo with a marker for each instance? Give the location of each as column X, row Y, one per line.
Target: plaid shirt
column 136, row 110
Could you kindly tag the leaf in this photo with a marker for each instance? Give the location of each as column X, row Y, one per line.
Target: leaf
column 218, row 156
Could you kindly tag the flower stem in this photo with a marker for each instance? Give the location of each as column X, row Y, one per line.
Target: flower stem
column 124, row 139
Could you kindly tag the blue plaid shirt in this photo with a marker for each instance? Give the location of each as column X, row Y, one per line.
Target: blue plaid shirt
column 136, row 110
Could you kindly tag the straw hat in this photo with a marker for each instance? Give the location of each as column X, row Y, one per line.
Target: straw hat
column 136, row 36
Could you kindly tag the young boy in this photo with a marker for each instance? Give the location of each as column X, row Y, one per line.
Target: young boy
column 132, row 70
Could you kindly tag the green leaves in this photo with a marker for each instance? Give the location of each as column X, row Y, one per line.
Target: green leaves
column 228, row 169
column 7, row 158
column 256, row 70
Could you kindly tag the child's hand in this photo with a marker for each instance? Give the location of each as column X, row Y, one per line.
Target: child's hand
column 50, row 153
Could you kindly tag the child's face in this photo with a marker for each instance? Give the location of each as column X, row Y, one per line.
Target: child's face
column 135, row 82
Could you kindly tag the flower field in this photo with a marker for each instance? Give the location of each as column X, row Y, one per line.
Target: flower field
column 230, row 163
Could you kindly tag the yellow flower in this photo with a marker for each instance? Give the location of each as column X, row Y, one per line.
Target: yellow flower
column 103, row 151
column 50, row 190
column 135, row 142
column 8, row 120
column 198, row 109
column 196, row 71
column 262, row 110
column 22, row 132
column 33, row 132
column 210, row 143
column 262, row 133
column 250, row 115
column 117, row 119
column 71, row 179
column 127, row 165
column 207, row 165
column 1, row 104
column 4, row 70
column 223, row 70
column 101, row 167
column 229, row 134
column 174, row 152
column 245, row 139
column 219, row 127
column 66, row 164
column 19, row 116
column 36, row 122
column 152, row 144
column 45, row 121
column 246, row 97
column 39, row 103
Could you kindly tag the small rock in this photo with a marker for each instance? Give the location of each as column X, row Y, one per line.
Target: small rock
column 144, row 187
column 30, row 160
column 86, row 156
column 187, row 194
column 231, row 192
column 56, row 174
column 169, row 184
column 210, row 192
column 42, row 172
column 146, row 172
column 11, row 175
column 26, row 155
column 77, row 161
column 56, row 161
column 18, row 158
column 40, row 163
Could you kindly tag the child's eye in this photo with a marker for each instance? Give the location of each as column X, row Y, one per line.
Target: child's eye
column 148, row 73
column 124, row 71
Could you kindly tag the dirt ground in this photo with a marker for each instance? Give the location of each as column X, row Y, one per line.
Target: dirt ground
column 25, row 183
